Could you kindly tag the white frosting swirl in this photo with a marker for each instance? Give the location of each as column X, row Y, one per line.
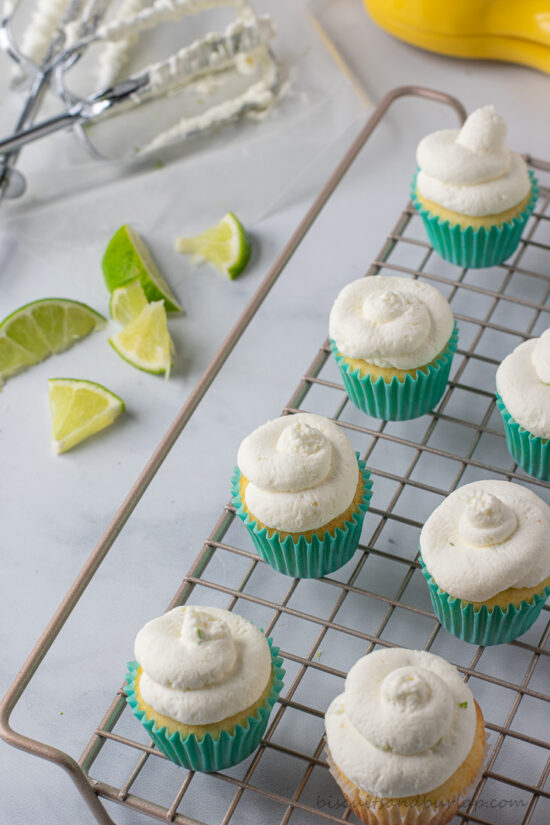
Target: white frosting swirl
column 286, row 456
column 486, row 520
column 201, row 664
column 391, row 322
column 485, row 537
column 186, row 649
column 404, row 724
column 471, row 170
column 523, row 382
column 302, row 472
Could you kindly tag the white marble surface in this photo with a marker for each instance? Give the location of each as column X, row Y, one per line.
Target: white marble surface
column 55, row 509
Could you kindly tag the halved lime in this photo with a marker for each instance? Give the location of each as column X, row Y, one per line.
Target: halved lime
column 225, row 245
column 127, row 302
column 78, row 410
column 127, row 258
column 41, row 328
column 145, row 342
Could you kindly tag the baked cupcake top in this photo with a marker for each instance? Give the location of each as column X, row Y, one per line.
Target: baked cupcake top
column 391, row 322
column 523, row 383
column 302, row 472
column 485, row 537
column 201, row 664
column 471, row 170
column 404, row 724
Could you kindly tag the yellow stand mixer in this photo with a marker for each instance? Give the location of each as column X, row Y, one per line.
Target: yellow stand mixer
column 517, row 31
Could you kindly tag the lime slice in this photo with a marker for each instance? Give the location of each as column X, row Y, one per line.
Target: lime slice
column 41, row 328
column 225, row 245
column 79, row 409
column 127, row 302
column 145, row 342
column 127, row 258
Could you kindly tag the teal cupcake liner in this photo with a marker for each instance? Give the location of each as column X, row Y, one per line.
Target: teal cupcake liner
column 482, row 626
column 398, row 400
column 305, row 559
column 475, row 248
column 209, row 754
column 529, row 451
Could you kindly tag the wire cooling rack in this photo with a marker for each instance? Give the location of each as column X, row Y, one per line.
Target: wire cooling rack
column 379, row 598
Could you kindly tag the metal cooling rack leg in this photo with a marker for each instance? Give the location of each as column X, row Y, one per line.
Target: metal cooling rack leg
column 122, row 515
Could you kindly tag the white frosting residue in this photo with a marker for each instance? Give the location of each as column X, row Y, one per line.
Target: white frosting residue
column 44, row 23
column 523, row 382
column 471, row 170
column 404, row 724
column 241, row 48
column 391, row 322
column 258, row 98
column 115, row 54
column 245, row 64
column 485, row 537
column 212, row 53
column 162, row 11
column 302, row 472
column 201, row 664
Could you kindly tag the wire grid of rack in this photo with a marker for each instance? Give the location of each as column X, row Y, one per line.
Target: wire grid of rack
column 379, row 598
column 466, row 414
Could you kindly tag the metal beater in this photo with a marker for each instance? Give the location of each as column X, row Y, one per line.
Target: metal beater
column 60, row 32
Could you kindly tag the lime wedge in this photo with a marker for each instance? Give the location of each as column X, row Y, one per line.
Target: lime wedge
column 127, row 302
column 41, row 328
column 127, row 258
column 79, row 409
column 145, row 342
column 225, row 245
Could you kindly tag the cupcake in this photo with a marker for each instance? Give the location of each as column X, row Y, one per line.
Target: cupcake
column 486, row 557
column 203, row 685
column 393, row 340
column 405, row 740
column 523, row 398
column 302, row 492
column 474, row 194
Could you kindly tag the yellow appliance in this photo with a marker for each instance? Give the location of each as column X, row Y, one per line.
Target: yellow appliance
column 512, row 30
